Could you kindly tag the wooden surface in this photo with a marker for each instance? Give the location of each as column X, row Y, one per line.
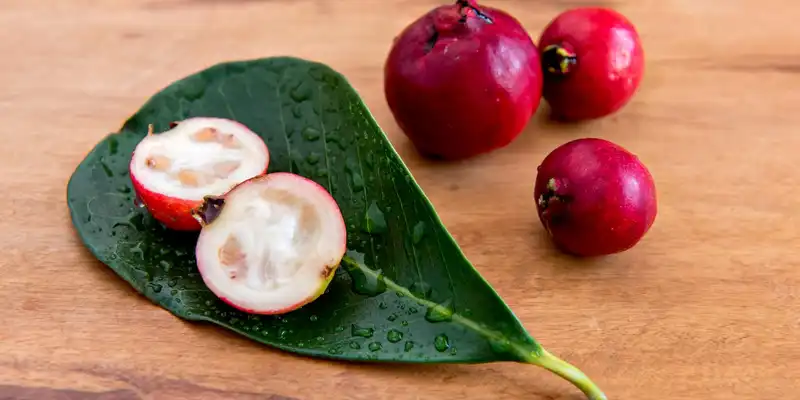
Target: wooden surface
column 706, row 307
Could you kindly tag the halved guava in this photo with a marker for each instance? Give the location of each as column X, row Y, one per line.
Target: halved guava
column 173, row 171
column 271, row 244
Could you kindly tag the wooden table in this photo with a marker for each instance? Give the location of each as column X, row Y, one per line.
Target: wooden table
column 706, row 307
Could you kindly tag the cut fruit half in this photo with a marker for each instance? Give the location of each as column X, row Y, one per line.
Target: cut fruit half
column 270, row 245
column 173, row 171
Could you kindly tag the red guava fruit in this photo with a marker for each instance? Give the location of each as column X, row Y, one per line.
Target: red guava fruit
column 462, row 80
column 271, row 244
column 173, row 171
column 592, row 61
column 594, row 197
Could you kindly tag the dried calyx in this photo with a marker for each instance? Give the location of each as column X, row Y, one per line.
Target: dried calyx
column 558, row 60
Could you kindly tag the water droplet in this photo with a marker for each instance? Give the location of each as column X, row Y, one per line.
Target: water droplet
column 421, row 290
column 357, row 181
column 174, row 292
column 301, row 93
column 412, row 310
column 106, row 169
column 375, row 346
column 418, row 233
column 404, row 323
column 453, row 351
column 297, row 111
column 364, row 283
column 113, row 145
column 313, row 158
column 320, row 339
column 172, row 282
column 441, row 343
column 355, row 346
column 334, row 351
column 301, row 344
column 311, row 134
column 361, row 331
column 322, row 172
column 394, row 336
column 408, row 346
column 382, row 306
column 137, row 202
column 209, row 303
column 165, row 264
column 124, row 189
column 441, row 312
column 156, row 287
column 313, row 318
column 392, row 318
column 500, row 346
column 283, row 333
column 340, row 328
column 375, row 220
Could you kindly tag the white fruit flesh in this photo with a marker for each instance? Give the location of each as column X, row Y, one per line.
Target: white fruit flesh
column 199, row 157
column 272, row 245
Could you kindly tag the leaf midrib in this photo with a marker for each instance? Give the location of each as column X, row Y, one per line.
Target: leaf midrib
column 525, row 352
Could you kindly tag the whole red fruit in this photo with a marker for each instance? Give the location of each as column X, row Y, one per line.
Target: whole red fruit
column 594, row 197
column 592, row 61
column 462, row 80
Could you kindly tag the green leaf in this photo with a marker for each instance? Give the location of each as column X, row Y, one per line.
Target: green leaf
column 405, row 291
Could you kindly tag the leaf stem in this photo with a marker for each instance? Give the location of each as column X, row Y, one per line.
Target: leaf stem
column 537, row 356
column 567, row 371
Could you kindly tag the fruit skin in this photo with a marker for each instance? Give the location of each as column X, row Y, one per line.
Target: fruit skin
column 174, row 213
column 327, row 273
column 594, row 197
column 608, row 63
column 459, row 86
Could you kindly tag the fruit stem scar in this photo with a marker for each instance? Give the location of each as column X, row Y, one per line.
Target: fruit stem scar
column 555, row 193
column 467, row 8
column 209, row 210
column 558, row 59
column 529, row 353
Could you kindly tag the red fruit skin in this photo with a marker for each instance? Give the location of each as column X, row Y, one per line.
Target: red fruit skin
column 609, row 63
column 175, row 214
column 470, row 92
column 594, row 197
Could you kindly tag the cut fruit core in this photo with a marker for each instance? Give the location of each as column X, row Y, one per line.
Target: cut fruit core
column 199, row 157
column 273, row 245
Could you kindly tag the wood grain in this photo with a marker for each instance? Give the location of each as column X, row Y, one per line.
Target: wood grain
column 706, row 307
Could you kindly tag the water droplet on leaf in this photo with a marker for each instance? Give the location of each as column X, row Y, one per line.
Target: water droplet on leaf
column 441, row 312
column 418, row 233
column 301, row 93
column 441, row 343
column 394, row 336
column 375, row 222
column 361, row 331
column 313, row 158
column 311, row 134
column 375, row 346
column 408, row 346
column 364, row 283
column 355, row 346
column 421, row 290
